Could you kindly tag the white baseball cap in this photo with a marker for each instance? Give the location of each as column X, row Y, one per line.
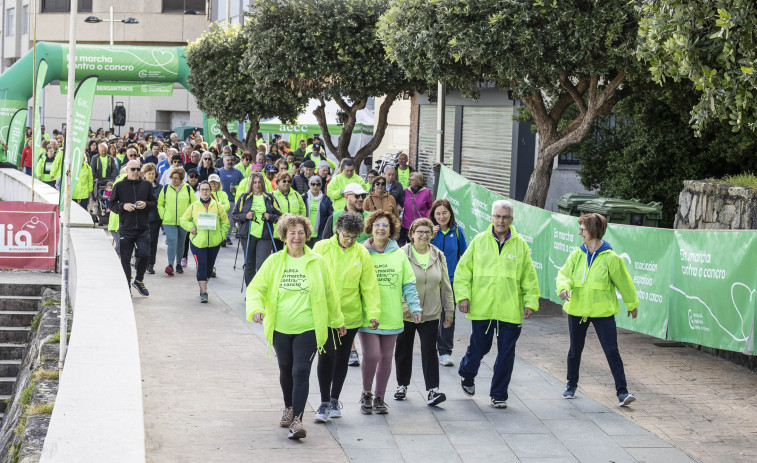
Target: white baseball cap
column 355, row 189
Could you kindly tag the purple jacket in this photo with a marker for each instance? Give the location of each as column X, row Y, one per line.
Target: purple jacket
column 417, row 205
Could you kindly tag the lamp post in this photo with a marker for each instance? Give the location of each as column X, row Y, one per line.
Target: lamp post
column 95, row 20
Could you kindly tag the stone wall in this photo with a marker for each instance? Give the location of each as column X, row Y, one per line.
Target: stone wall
column 705, row 205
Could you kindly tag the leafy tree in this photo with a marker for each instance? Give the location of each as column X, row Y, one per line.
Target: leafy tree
column 227, row 93
column 713, row 44
column 325, row 49
column 646, row 149
column 554, row 55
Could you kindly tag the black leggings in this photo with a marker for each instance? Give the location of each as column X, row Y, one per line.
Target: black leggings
column 295, row 353
column 403, row 353
column 332, row 364
column 154, row 236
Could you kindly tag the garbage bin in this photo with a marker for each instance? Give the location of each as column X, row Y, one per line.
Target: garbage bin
column 569, row 203
column 629, row 212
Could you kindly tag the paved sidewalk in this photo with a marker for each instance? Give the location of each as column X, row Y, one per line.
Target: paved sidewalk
column 212, row 394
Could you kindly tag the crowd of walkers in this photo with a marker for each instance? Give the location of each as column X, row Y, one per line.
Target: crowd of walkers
column 330, row 256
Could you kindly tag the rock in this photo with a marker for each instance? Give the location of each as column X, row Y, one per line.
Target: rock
column 684, row 202
column 692, row 211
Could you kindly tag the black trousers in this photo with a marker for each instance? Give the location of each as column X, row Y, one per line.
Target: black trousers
column 186, row 247
column 127, row 241
column 295, row 353
column 332, row 364
column 608, row 338
column 154, row 236
column 446, row 339
column 403, row 353
column 256, row 252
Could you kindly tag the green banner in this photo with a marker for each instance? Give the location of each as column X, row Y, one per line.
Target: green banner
column 119, row 63
column 83, row 99
column 128, row 88
column 693, row 286
column 310, row 129
column 16, row 136
column 211, row 128
column 37, row 130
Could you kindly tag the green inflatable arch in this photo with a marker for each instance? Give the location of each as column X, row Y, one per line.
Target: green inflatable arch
column 109, row 63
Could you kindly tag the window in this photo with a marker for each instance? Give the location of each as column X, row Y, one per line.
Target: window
column 61, row 6
column 10, row 22
column 25, row 20
column 180, row 6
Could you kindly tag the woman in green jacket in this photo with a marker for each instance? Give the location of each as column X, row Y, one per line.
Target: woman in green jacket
column 358, row 292
column 396, row 281
column 435, row 294
column 207, row 224
column 294, row 293
column 288, row 199
column 84, row 185
column 173, row 201
column 48, row 167
column 587, row 282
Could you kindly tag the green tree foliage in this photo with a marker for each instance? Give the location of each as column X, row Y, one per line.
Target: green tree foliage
column 646, row 149
column 224, row 91
column 552, row 54
column 325, row 49
column 713, row 44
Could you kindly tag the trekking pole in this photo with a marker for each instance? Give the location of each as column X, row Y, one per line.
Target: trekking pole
column 236, row 256
column 246, row 250
column 272, row 240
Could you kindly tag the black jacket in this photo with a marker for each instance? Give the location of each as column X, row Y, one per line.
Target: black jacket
column 129, row 192
column 243, row 206
column 301, row 183
column 398, row 193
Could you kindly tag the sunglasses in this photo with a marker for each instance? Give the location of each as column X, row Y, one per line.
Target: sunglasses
column 361, row 196
column 176, row 162
column 380, row 183
column 315, row 184
column 133, row 169
column 285, row 181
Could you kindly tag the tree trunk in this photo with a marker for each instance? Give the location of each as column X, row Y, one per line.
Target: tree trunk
column 248, row 144
column 538, row 185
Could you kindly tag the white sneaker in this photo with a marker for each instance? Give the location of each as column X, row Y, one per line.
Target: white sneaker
column 446, row 360
column 322, row 415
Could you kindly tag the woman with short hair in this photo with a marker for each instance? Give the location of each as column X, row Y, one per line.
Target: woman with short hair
column 418, row 200
column 173, row 201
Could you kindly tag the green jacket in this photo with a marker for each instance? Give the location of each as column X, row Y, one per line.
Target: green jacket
column 54, row 170
column 172, row 204
column 498, row 284
column 222, row 199
column 291, row 203
column 592, row 288
column 337, row 184
column 84, row 184
column 355, row 280
column 206, row 238
column 324, row 300
column 113, row 218
column 244, row 170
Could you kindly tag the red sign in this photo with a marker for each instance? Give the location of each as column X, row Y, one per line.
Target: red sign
column 28, row 235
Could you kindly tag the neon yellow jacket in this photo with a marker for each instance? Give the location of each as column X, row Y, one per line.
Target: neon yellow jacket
column 113, row 218
column 592, row 288
column 84, row 184
column 172, row 204
column 206, row 238
column 291, row 203
column 498, row 284
column 222, row 199
column 337, row 184
column 355, row 279
column 55, row 168
column 324, row 300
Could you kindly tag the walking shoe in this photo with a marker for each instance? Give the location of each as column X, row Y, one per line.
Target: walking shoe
column 323, row 412
column 223, row 243
column 366, row 403
column 229, row 242
column 141, row 287
column 169, row 270
column 446, row 360
column 468, row 385
column 184, row 262
column 286, row 417
column 379, row 406
column 296, row 430
column 203, row 297
column 213, row 274
column 179, row 269
column 354, row 359
column 401, row 393
column 498, row 402
column 570, row 392
column 435, row 397
column 336, row 409
column 151, row 269
column 625, row 399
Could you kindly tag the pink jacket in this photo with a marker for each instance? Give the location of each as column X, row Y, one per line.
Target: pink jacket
column 417, row 205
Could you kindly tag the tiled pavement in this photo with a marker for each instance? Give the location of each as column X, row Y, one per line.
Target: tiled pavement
column 212, row 394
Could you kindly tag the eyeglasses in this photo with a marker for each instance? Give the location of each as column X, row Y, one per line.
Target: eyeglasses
column 285, row 181
column 506, row 217
column 350, row 237
column 380, row 183
column 426, row 233
column 380, row 225
column 176, row 162
column 133, row 169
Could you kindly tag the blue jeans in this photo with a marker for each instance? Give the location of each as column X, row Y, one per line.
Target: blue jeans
column 482, row 335
column 608, row 338
column 175, row 236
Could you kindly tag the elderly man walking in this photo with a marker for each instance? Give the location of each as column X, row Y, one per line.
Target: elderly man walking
column 496, row 287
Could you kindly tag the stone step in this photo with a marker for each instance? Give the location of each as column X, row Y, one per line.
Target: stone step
column 14, row 334
column 25, row 289
column 6, row 385
column 18, row 318
column 9, row 368
column 12, row 351
column 3, row 405
column 20, row 302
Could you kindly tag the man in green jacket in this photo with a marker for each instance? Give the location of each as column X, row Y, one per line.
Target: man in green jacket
column 496, row 287
column 336, row 186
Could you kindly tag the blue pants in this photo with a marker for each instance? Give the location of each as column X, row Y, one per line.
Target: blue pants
column 482, row 335
column 205, row 259
column 608, row 338
column 175, row 236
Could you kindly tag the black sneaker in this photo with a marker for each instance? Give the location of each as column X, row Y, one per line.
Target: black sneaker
column 498, row 402
column 401, row 393
column 435, row 397
column 379, row 406
column 366, row 403
column 179, row 269
column 151, row 270
column 140, row 285
column 203, row 297
column 468, row 385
